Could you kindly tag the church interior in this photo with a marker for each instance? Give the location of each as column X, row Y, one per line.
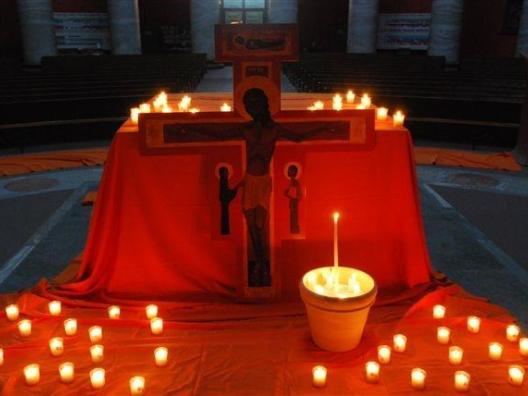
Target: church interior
column 263, row 197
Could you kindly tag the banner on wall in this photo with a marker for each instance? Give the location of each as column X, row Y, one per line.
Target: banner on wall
column 409, row 31
column 82, row 30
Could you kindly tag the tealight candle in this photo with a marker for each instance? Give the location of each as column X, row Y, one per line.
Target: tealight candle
column 398, row 118
column 473, row 324
column 384, row 354
column 156, row 325
column 372, row 372
column 399, row 342
column 443, row 334
column 1, row 356
column 32, row 374
column 439, row 311
column 55, row 308
column 523, row 346
column 194, row 110
column 67, row 372
column 337, row 102
column 318, row 105
column 455, row 355
column 97, row 353
column 24, row 327
column 225, row 108
column 418, row 376
column 114, row 312
column 151, row 311
column 137, row 385
column 160, row 356
column 516, row 375
column 381, row 113
column 96, row 333
column 461, row 381
column 134, row 114
column 350, row 96
column 12, row 312
column 56, row 346
column 166, row 109
column 70, row 326
column 366, row 101
column 144, row 108
column 495, row 351
column 513, row 332
column 97, row 378
column 319, row 376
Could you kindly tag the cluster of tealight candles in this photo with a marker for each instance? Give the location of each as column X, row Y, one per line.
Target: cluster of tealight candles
column 95, row 333
column 160, row 104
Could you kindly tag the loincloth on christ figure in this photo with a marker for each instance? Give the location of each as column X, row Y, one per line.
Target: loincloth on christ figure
column 256, row 191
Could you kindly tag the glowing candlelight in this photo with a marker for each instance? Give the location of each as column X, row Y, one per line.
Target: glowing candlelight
column 384, row 354
column 382, row 113
column 32, row 374
column 166, row 109
column 366, row 101
column 194, row 110
column 137, row 385
column 151, row 311
column 516, row 375
column 443, row 334
column 134, row 114
column 455, row 355
column 160, row 101
column 372, row 372
column 473, row 324
column 70, row 326
column 12, row 312
column 418, row 376
column 24, row 327
column 97, row 353
column 1, row 356
column 225, row 108
column 398, row 118
column 55, row 308
column 337, row 102
column 462, row 380
column 319, row 376
column 513, row 332
column 523, row 346
column 319, row 105
column 350, row 96
column 114, row 312
column 185, row 103
column 56, row 346
column 336, row 253
column 439, row 311
column 96, row 333
column 144, row 108
column 399, row 343
column 67, row 372
column 495, row 351
column 161, row 356
column 156, row 325
column 97, row 378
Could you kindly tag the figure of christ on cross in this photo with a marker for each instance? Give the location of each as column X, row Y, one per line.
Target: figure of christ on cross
column 260, row 135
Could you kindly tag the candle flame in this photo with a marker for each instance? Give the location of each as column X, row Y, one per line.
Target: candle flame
column 336, row 217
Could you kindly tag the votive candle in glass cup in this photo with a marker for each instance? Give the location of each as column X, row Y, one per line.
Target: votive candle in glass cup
column 151, row 311
column 95, row 333
column 462, row 380
column 319, row 376
column 114, row 312
column 418, row 377
column 523, row 346
column 516, row 375
column 439, row 311
column 384, row 354
column 382, row 113
column 32, row 374
column 55, row 308
column 67, row 372
column 372, row 372
column 97, row 378
column 443, row 335
column 495, row 351
column 513, row 332
column 456, row 354
column 56, row 346
column 399, row 342
column 473, row 324
column 156, row 326
column 97, row 353
column 12, row 312
column 24, row 327
column 70, row 326
column 137, row 385
column 161, row 355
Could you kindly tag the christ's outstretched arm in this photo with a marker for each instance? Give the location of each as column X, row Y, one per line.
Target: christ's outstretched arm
column 213, row 131
column 288, row 134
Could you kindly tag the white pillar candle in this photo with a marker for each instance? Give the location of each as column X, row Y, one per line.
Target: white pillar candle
column 319, row 376
column 32, row 374
column 12, row 312
column 398, row 118
column 513, row 332
column 456, row 354
column 70, row 326
column 144, row 108
column 418, row 376
column 439, row 311
column 399, row 342
column 443, row 335
column 151, row 311
column 96, row 334
column 67, row 372
column 1, row 356
column 114, row 312
column 337, row 102
column 384, row 354
column 319, row 105
column 516, row 375
column 161, row 356
column 495, row 351
column 366, row 101
column 24, row 327
column 473, row 324
column 156, row 325
column 225, row 108
column 372, row 372
column 461, row 381
column 97, row 353
column 55, row 308
column 137, row 385
column 523, row 346
column 350, row 96
column 382, row 113
column 56, row 346
column 97, row 378
column 134, row 114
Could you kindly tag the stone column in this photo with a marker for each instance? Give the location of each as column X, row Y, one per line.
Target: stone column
column 282, row 11
column 362, row 26
column 38, row 35
column 124, row 27
column 522, row 37
column 205, row 14
column 446, row 25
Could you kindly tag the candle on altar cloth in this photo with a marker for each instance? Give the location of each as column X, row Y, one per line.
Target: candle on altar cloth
column 32, row 374
column 70, row 326
column 319, row 105
column 372, row 372
column 161, row 356
column 381, row 113
column 513, row 332
column 96, row 333
column 495, row 351
column 399, row 342
column 398, row 118
column 418, row 377
column 151, row 311
column 24, row 327
column 461, row 381
column 443, row 335
column 156, row 325
column 166, row 109
column 97, row 378
column 350, row 96
column 225, row 108
column 439, row 311
column 473, row 324
column 523, row 346
column 194, row 110
column 114, row 312
column 144, row 108
column 337, row 102
column 384, row 354
column 1, row 356
column 160, row 101
column 55, row 308
column 56, row 346
column 185, row 103
column 67, row 372
column 366, row 101
column 516, row 375
column 319, row 376
column 137, row 385
column 12, row 312
column 97, row 353
column 134, row 114
column 456, row 355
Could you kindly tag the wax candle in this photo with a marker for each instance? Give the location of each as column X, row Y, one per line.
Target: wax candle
column 32, row 374
column 336, row 253
column 381, row 113
column 337, row 102
column 461, row 381
column 1, row 356
column 473, row 324
column 70, row 326
column 194, row 110
column 97, row 378
column 319, row 105
column 366, row 101
column 67, row 372
column 160, row 101
column 24, row 327
column 398, row 118
column 137, row 385
column 319, row 376
column 418, row 376
column 12, row 312
column 97, row 353
column 151, row 311
column 513, row 332
column 156, row 325
column 350, row 96
column 443, row 335
column 495, row 351
column 399, row 342
column 523, row 346
column 372, row 372
column 56, row 346
column 55, row 308
column 114, row 312
column 456, row 355
column 144, row 108
column 96, row 333
column 439, row 311
column 166, row 109
column 134, row 114
column 160, row 356
column 225, row 108
column 516, row 375
column 384, row 354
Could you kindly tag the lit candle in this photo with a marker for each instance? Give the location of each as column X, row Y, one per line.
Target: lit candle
column 495, row 351
column 151, row 311
column 523, row 346
column 337, row 102
column 160, row 101
column 166, row 109
column 97, row 353
column 399, row 343
column 350, row 96
column 114, row 312
column 516, row 375
column 384, row 354
column 473, row 324
column 319, row 376
column 156, row 325
column 32, row 374
column 418, row 376
column 318, row 105
column 70, row 326
column 24, row 327
column 194, row 110
column 56, row 346
column 1, row 356
column 96, row 333
column 12, row 312
column 134, row 114
column 381, row 113
column 372, row 371
column 137, row 385
column 398, row 118
column 55, row 308
column 97, row 378
column 366, row 101
column 455, row 355
column 336, row 253
column 443, row 334
column 160, row 356
column 144, row 108
column 184, row 104
column 462, row 380
column 439, row 311
column 225, row 108
column 513, row 332
column 67, row 372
